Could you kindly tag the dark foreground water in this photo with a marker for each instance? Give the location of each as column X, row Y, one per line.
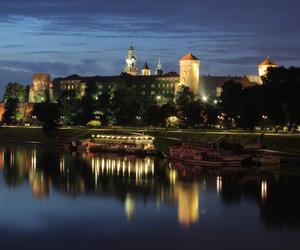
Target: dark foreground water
column 51, row 199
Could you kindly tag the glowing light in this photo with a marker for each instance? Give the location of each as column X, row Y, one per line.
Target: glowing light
column 129, row 206
column 172, row 176
column 264, row 190
column 219, row 185
column 204, row 98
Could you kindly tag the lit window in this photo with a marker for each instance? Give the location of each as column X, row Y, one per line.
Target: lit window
column 152, row 92
column 153, row 86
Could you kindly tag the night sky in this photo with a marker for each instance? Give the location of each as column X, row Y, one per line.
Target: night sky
column 91, row 37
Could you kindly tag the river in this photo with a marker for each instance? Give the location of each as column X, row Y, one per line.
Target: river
column 53, row 199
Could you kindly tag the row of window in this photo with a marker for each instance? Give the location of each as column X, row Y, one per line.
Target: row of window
column 167, row 85
column 152, row 92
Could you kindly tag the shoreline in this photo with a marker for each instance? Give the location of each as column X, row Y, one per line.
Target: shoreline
column 288, row 144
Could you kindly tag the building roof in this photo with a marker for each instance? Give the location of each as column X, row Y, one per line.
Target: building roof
column 267, row 62
column 146, row 66
column 189, row 57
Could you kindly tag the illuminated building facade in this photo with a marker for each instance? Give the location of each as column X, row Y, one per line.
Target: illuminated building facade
column 131, row 63
column 264, row 67
column 146, row 70
column 159, row 86
column 190, row 72
column 41, row 89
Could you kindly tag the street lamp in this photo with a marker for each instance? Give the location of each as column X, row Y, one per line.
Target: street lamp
column 264, row 117
column 205, row 98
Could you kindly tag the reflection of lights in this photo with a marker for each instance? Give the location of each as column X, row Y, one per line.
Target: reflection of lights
column 33, row 160
column 219, row 184
column 62, row 165
column 188, row 203
column 2, row 158
column 12, row 158
column 129, row 206
column 172, row 176
column 264, row 190
column 122, row 166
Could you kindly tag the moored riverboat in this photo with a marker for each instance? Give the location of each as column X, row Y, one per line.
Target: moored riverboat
column 133, row 144
column 209, row 154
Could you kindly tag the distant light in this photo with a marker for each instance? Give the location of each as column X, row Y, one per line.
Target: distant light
column 215, row 101
column 158, row 97
column 205, row 98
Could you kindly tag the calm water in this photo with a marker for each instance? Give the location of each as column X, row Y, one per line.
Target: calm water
column 51, row 199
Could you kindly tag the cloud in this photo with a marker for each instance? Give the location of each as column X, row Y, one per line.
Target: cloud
column 230, row 37
column 12, row 46
column 41, row 52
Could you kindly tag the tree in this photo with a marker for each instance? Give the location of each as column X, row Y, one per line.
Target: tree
column 231, row 98
column 48, row 114
column 251, row 108
column 11, row 113
column 126, row 103
column 282, row 88
column 69, row 105
column 103, row 105
column 184, row 99
column 15, row 91
column 165, row 111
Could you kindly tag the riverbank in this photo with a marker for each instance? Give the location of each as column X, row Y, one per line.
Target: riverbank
column 164, row 138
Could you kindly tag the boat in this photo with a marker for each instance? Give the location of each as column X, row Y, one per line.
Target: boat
column 266, row 160
column 209, row 154
column 78, row 145
column 137, row 144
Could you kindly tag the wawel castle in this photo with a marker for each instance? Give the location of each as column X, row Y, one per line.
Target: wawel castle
column 155, row 83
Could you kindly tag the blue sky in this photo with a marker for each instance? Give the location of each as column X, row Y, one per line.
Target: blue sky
column 91, row 37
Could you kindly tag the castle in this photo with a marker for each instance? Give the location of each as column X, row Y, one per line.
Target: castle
column 160, row 85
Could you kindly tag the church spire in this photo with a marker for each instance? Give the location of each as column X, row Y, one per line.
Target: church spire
column 159, row 70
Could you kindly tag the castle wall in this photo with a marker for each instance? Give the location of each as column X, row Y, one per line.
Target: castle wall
column 2, row 110
column 25, row 109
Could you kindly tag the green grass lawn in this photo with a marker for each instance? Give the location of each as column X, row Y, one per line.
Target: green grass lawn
column 164, row 138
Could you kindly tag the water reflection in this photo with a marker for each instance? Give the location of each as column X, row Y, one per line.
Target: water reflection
column 130, row 179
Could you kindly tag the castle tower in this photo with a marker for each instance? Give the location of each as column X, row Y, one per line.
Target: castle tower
column 131, row 63
column 190, row 73
column 159, row 70
column 41, row 89
column 264, row 66
column 146, row 70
